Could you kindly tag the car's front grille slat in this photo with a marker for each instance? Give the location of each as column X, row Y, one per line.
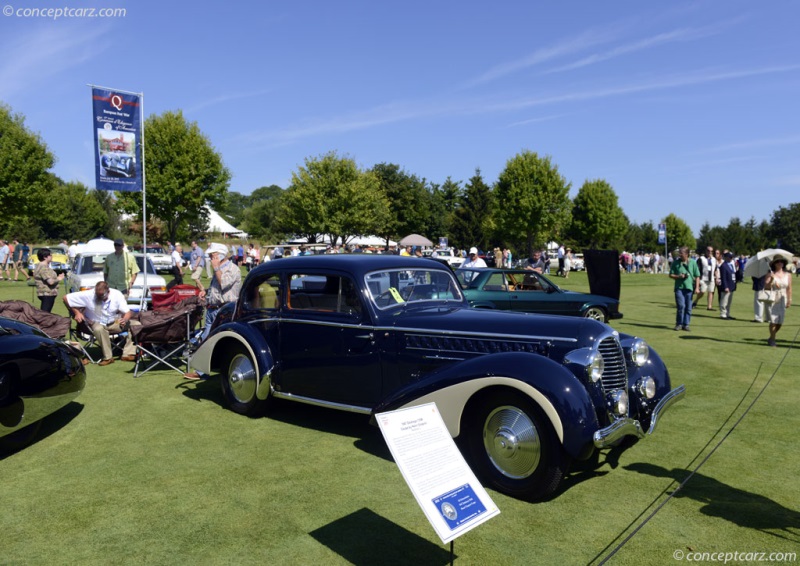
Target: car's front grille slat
column 615, row 374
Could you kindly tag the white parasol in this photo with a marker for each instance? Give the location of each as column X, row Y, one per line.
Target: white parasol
column 415, row 240
column 758, row 265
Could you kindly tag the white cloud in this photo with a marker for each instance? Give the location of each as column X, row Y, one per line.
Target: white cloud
column 34, row 58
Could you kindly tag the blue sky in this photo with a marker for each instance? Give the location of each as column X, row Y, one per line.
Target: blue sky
column 683, row 107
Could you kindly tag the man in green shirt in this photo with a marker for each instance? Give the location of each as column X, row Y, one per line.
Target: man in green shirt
column 687, row 282
column 120, row 269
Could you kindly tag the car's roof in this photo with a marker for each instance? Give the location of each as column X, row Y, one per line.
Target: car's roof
column 357, row 264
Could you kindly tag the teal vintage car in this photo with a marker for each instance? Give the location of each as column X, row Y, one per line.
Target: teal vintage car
column 524, row 290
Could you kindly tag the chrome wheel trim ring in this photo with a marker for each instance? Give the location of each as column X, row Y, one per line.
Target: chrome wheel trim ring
column 512, row 442
column 242, row 378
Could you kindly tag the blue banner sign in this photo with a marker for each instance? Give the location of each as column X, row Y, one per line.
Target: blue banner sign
column 662, row 233
column 117, row 140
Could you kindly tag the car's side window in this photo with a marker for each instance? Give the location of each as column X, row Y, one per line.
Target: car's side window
column 324, row 294
column 496, row 282
column 264, row 294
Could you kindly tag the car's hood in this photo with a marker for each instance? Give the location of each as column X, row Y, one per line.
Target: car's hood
column 466, row 321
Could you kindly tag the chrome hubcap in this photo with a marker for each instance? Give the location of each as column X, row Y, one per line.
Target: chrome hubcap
column 242, row 378
column 595, row 314
column 512, row 442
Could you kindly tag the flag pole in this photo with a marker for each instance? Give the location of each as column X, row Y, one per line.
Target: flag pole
column 144, row 210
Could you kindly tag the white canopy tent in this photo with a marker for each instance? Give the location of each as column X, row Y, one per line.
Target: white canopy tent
column 217, row 223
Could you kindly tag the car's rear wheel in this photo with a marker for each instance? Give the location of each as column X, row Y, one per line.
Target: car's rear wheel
column 596, row 313
column 513, row 446
column 239, row 382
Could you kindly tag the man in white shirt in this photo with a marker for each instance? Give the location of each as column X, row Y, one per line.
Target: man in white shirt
column 474, row 260
column 105, row 312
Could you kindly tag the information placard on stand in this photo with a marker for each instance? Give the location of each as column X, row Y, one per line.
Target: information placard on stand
column 443, row 484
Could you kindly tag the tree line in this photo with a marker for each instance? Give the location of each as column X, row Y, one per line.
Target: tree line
column 330, row 195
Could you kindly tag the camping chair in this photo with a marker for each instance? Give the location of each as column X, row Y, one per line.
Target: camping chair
column 165, row 335
column 82, row 337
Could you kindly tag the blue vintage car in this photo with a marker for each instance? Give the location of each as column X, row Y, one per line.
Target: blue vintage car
column 522, row 394
column 528, row 291
column 38, row 376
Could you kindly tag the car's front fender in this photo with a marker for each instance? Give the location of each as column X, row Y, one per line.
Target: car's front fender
column 561, row 396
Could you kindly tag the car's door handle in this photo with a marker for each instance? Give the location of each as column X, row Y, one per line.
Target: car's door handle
column 370, row 336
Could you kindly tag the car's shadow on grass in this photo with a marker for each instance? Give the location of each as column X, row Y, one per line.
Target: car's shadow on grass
column 352, row 425
column 49, row 425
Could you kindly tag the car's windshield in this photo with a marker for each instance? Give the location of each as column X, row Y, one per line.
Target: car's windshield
column 91, row 263
column 140, row 261
column 408, row 286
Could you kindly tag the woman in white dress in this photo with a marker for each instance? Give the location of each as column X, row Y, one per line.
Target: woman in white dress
column 780, row 281
column 567, row 262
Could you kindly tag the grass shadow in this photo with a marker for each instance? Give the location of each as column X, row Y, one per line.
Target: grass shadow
column 743, row 508
column 366, row 538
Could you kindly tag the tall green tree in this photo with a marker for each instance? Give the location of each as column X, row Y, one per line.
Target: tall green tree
column 73, row 212
column 184, row 175
column 678, row 233
column 471, row 225
column 532, row 201
column 330, row 195
column 408, row 201
column 641, row 237
column 784, row 228
column 25, row 161
column 597, row 219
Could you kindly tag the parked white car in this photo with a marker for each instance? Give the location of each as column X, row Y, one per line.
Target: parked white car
column 455, row 261
column 88, row 271
column 577, row 263
column 162, row 261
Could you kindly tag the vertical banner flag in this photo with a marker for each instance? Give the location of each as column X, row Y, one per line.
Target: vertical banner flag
column 662, row 233
column 117, row 140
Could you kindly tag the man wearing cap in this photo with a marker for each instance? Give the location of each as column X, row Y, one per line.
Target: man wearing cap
column 474, row 260
column 226, row 282
column 120, row 268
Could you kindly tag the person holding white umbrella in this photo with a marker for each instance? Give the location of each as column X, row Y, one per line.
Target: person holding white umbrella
column 780, row 281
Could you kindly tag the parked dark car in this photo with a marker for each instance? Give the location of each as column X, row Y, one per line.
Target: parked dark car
column 523, row 394
column 528, row 291
column 38, row 376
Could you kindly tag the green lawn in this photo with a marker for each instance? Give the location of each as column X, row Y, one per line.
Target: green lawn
column 155, row 471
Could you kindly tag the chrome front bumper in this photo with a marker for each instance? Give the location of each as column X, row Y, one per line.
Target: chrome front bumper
column 611, row 434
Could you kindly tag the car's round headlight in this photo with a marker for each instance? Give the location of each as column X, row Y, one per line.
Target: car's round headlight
column 618, row 401
column 595, row 368
column 640, row 352
column 647, row 387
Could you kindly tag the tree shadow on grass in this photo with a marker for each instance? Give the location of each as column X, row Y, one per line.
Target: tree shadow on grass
column 364, row 537
column 738, row 506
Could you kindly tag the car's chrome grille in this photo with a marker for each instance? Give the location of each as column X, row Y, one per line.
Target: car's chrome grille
column 615, row 374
